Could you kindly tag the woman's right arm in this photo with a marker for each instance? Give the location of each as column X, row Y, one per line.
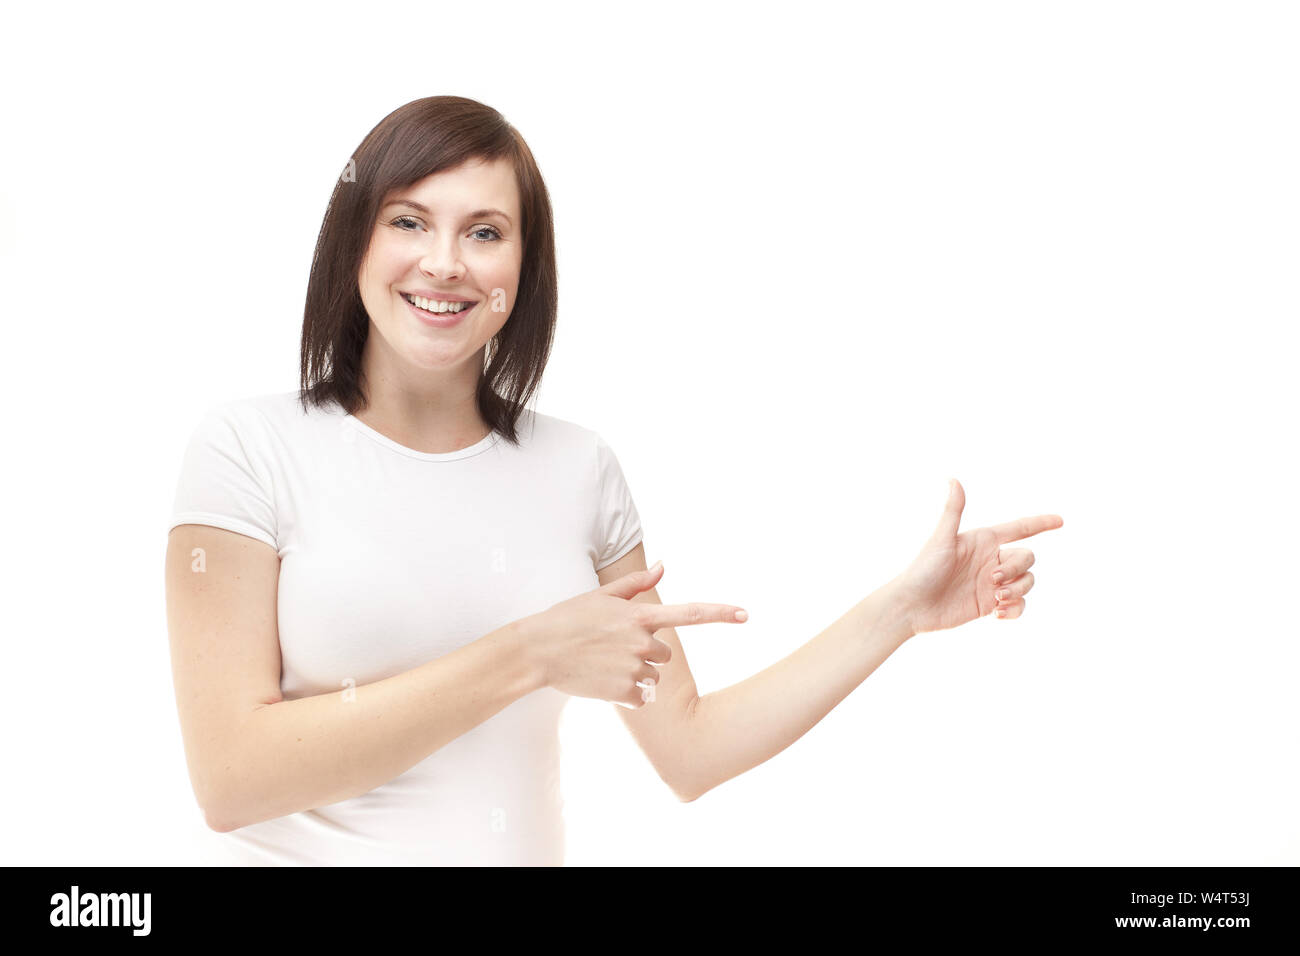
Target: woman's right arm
column 253, row 756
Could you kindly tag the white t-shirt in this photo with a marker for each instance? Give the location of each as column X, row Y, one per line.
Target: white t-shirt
column 389, row 558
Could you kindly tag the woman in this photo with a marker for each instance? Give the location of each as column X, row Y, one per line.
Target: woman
column 382, row 587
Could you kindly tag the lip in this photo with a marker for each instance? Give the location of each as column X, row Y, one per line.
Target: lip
column 440, row 321
column 440, row 296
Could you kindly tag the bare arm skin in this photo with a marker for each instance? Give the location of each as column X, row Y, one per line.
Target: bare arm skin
column 696, row 743
column 253, row 756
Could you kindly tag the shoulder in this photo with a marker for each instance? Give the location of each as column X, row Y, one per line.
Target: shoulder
column 254, row 428
column 283, row 408
column 266, row 414
column 552, row 434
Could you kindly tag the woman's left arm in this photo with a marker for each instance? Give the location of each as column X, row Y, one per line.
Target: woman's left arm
column 697, row 742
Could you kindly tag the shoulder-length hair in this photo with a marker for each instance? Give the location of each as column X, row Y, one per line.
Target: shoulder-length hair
column 417, row 140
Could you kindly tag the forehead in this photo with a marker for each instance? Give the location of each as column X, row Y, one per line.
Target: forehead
column 474, row 184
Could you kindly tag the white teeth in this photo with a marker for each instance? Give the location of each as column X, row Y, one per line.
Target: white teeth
column 433, row 305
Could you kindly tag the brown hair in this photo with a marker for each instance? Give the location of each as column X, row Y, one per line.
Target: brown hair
column 414, row 141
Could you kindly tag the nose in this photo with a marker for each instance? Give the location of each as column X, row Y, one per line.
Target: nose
column 441, row 260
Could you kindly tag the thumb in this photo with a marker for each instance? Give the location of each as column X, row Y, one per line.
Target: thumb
column 634, row 582
column 951, row 518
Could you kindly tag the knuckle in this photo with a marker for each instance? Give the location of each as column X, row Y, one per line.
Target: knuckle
column 695, row 613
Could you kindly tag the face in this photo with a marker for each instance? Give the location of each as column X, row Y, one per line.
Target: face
column 453, row 237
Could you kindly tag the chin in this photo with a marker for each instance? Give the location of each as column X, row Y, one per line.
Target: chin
column 436, row 359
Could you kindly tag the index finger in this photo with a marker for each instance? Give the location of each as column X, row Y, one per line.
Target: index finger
column 659, row 616
column 1025, row 527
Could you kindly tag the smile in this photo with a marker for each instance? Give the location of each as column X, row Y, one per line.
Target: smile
column 440, row 315
column 436, row 306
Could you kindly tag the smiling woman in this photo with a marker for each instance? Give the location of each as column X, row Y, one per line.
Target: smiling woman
column 428, row 273
column 405, row 573
column 353, row 681
column 448, row 205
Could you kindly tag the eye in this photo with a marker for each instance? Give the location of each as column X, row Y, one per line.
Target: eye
column 403, row 222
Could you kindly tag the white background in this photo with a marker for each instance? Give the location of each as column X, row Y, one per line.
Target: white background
column 815, row 259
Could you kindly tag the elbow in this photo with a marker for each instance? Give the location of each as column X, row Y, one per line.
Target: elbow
column 222, row 816
column 224, row 803
column 682, row 786
column 687, row 791
column 215, row 813
column 218, row 808
column 217, row 823
column 690, row 795
column 229, row 811
column 218, row 814
column 685, row 785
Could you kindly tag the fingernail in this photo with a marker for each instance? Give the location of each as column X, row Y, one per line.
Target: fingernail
column 1000, row 612
column 742, row 615
column 997, row 577
column 656, row 566
column 1001, row 595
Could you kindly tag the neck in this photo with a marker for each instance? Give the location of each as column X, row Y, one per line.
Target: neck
column 423, row 410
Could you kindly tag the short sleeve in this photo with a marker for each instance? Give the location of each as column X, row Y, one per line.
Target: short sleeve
column 619, row 524
column 224, row 481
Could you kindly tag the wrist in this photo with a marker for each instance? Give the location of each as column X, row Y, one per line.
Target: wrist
column 524, row 640
column 897, row 611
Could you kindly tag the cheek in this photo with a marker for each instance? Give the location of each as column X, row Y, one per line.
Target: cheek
column 390, row 265
column 506, row 277
column 372, row 272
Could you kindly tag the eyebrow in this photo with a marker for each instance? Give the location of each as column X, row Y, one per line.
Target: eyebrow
column 476, row 214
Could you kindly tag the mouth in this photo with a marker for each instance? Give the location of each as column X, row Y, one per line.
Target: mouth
column 438, row 315
column 436, row 308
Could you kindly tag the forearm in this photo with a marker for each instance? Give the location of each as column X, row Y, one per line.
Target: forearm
column 734, row 729
column 299, row 754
